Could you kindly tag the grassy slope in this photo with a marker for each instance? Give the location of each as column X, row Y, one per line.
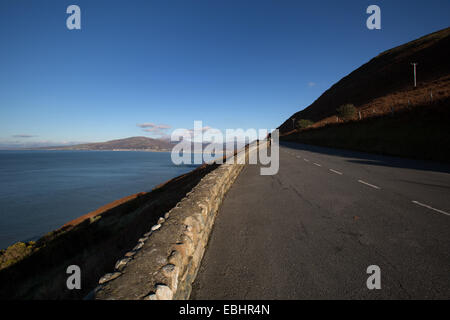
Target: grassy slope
column 421, row 133
column 386, row 74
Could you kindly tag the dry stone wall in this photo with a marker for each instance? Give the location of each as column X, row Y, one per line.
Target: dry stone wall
column 165, row 261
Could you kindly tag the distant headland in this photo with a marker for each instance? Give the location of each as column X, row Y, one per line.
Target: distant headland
column 127, row 144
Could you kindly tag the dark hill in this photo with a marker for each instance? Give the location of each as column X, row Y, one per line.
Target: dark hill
column 389, row 72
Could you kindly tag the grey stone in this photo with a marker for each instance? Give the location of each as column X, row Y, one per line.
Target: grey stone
column 163, row 292
column 108, row 277
column 122, row 263
column 138, row 246
column 168, row 268
column 156, row 227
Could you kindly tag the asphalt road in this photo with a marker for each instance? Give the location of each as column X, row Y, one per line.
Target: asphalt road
column 311, row 231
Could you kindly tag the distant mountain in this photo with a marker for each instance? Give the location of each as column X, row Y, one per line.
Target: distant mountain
column 387, row 73
column 132, row 143
column 135, row 143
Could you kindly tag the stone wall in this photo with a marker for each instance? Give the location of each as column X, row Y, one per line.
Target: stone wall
column 165, row 261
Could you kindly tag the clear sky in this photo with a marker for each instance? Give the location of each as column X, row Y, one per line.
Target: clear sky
column 231, row 64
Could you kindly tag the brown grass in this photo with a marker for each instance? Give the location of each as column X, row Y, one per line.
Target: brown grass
column 421, row 132
column 395, row 102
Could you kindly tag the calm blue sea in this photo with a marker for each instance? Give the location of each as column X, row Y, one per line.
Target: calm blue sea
column 42, row 190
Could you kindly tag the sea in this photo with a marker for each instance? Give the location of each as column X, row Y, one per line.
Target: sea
column 41, row 190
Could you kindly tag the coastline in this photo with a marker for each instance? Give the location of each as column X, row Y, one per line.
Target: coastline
column 105, row 150
column 95, row 210
column 93, row 241
column 56, row 149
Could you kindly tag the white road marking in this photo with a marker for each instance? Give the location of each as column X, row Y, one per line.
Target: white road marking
column 298, row 157
column 306, row 160
column 431, row 208
column 319, row 165
column 340, row 173
column 368, row 184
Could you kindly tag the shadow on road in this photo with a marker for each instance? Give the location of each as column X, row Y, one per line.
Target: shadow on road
column 371, row 159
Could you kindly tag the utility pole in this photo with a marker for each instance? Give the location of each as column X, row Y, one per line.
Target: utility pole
column 414, row 64
column 293, row 123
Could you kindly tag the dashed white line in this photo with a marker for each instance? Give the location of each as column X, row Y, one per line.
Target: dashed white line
column 368, row 184
column 306, row 160
column 319, row 165
column 340, row 173
column 431, row 208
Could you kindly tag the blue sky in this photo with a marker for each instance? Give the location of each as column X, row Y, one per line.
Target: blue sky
column 231, row 64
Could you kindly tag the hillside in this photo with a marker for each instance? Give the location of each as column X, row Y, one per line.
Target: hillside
column 387, row 74
column 132, row 143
